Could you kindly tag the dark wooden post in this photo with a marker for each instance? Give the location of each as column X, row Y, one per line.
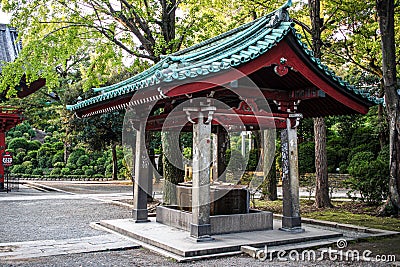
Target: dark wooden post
column 142, row 164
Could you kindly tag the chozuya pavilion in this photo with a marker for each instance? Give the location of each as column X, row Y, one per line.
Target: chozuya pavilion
column 289, row 84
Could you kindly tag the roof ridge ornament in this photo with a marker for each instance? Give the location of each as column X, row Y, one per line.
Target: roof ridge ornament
column 280, row 15
column 287, row 4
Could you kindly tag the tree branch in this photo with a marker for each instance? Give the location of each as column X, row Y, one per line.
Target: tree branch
column 302, row 25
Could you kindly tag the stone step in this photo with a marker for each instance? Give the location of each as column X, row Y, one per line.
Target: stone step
column 44, row 248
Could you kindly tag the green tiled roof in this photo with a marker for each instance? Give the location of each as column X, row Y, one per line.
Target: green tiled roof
column 222, row 52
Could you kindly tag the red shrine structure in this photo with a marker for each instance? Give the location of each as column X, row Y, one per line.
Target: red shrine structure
column 287, row 84
column 11, row 116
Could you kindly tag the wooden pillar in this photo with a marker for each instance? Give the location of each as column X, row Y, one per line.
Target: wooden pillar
column 2, row 150
column 291, row 220
column 200, row 228
column 142, row 165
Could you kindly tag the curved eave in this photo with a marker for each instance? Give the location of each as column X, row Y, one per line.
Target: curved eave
column 329, row 76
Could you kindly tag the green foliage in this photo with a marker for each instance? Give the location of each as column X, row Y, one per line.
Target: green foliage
column 65, row 171
column 78, row 172
column 254, row 156
column 74, row 156
column 55, row 171
column 18, row 169
column 17, row 134
column 58, row 157
column 82, row 160
column 369, row 176
column 306, row 157
column 37, row 171
column 19, row 157
column 59, row 146
column 34, row 145
column 18, row 142
column 187, row 153
column 70, row 166
column 59, row 165
column 89, row 172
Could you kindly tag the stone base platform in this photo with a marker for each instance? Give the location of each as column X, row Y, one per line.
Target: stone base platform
column 220, row 224
column 177, row 241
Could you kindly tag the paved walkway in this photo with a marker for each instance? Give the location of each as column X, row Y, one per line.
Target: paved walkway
column 45, row 248
column 39, row 223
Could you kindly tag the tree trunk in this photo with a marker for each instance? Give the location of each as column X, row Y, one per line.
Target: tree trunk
column 114, row 161
column 385, row 11
column 382, row 129
column 321, row 166
column 269, row 190
column 173, row 171
column 322, row 199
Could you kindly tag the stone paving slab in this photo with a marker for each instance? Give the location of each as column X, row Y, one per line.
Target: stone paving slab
column 178, row 241
column 43, row 248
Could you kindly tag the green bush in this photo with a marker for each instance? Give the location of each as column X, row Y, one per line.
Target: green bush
column 74, row 156
column 89, row 172
column 27, row 164
column 70, row 166
column 26, row 136
column 31, row 133
column 58, row 157
column 254, row 156
column 44, row 162
column 65, row 171
column 100, row 169
column 109, row 169
column 34, row 145
column 32, row 154
column 17, row 134
column 59, row 165
column 55, row 171
column 369, row 176
column 19, row 157
column 19, row 142
column 37, row 171
column 18, row 169
column 28, row 170
column 82, row 160
column 26, row 158
column 306, row 157
column 59, row 146
column 78, row 172
column 48, row 139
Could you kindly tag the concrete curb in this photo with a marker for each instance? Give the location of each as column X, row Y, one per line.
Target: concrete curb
column 343, row 226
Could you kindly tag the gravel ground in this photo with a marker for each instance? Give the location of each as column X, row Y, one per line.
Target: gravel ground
column 54, row 219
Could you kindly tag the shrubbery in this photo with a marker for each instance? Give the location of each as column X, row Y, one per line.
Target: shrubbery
column 369, row 176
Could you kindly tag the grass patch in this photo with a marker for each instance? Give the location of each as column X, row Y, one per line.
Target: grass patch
column 355, row 213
